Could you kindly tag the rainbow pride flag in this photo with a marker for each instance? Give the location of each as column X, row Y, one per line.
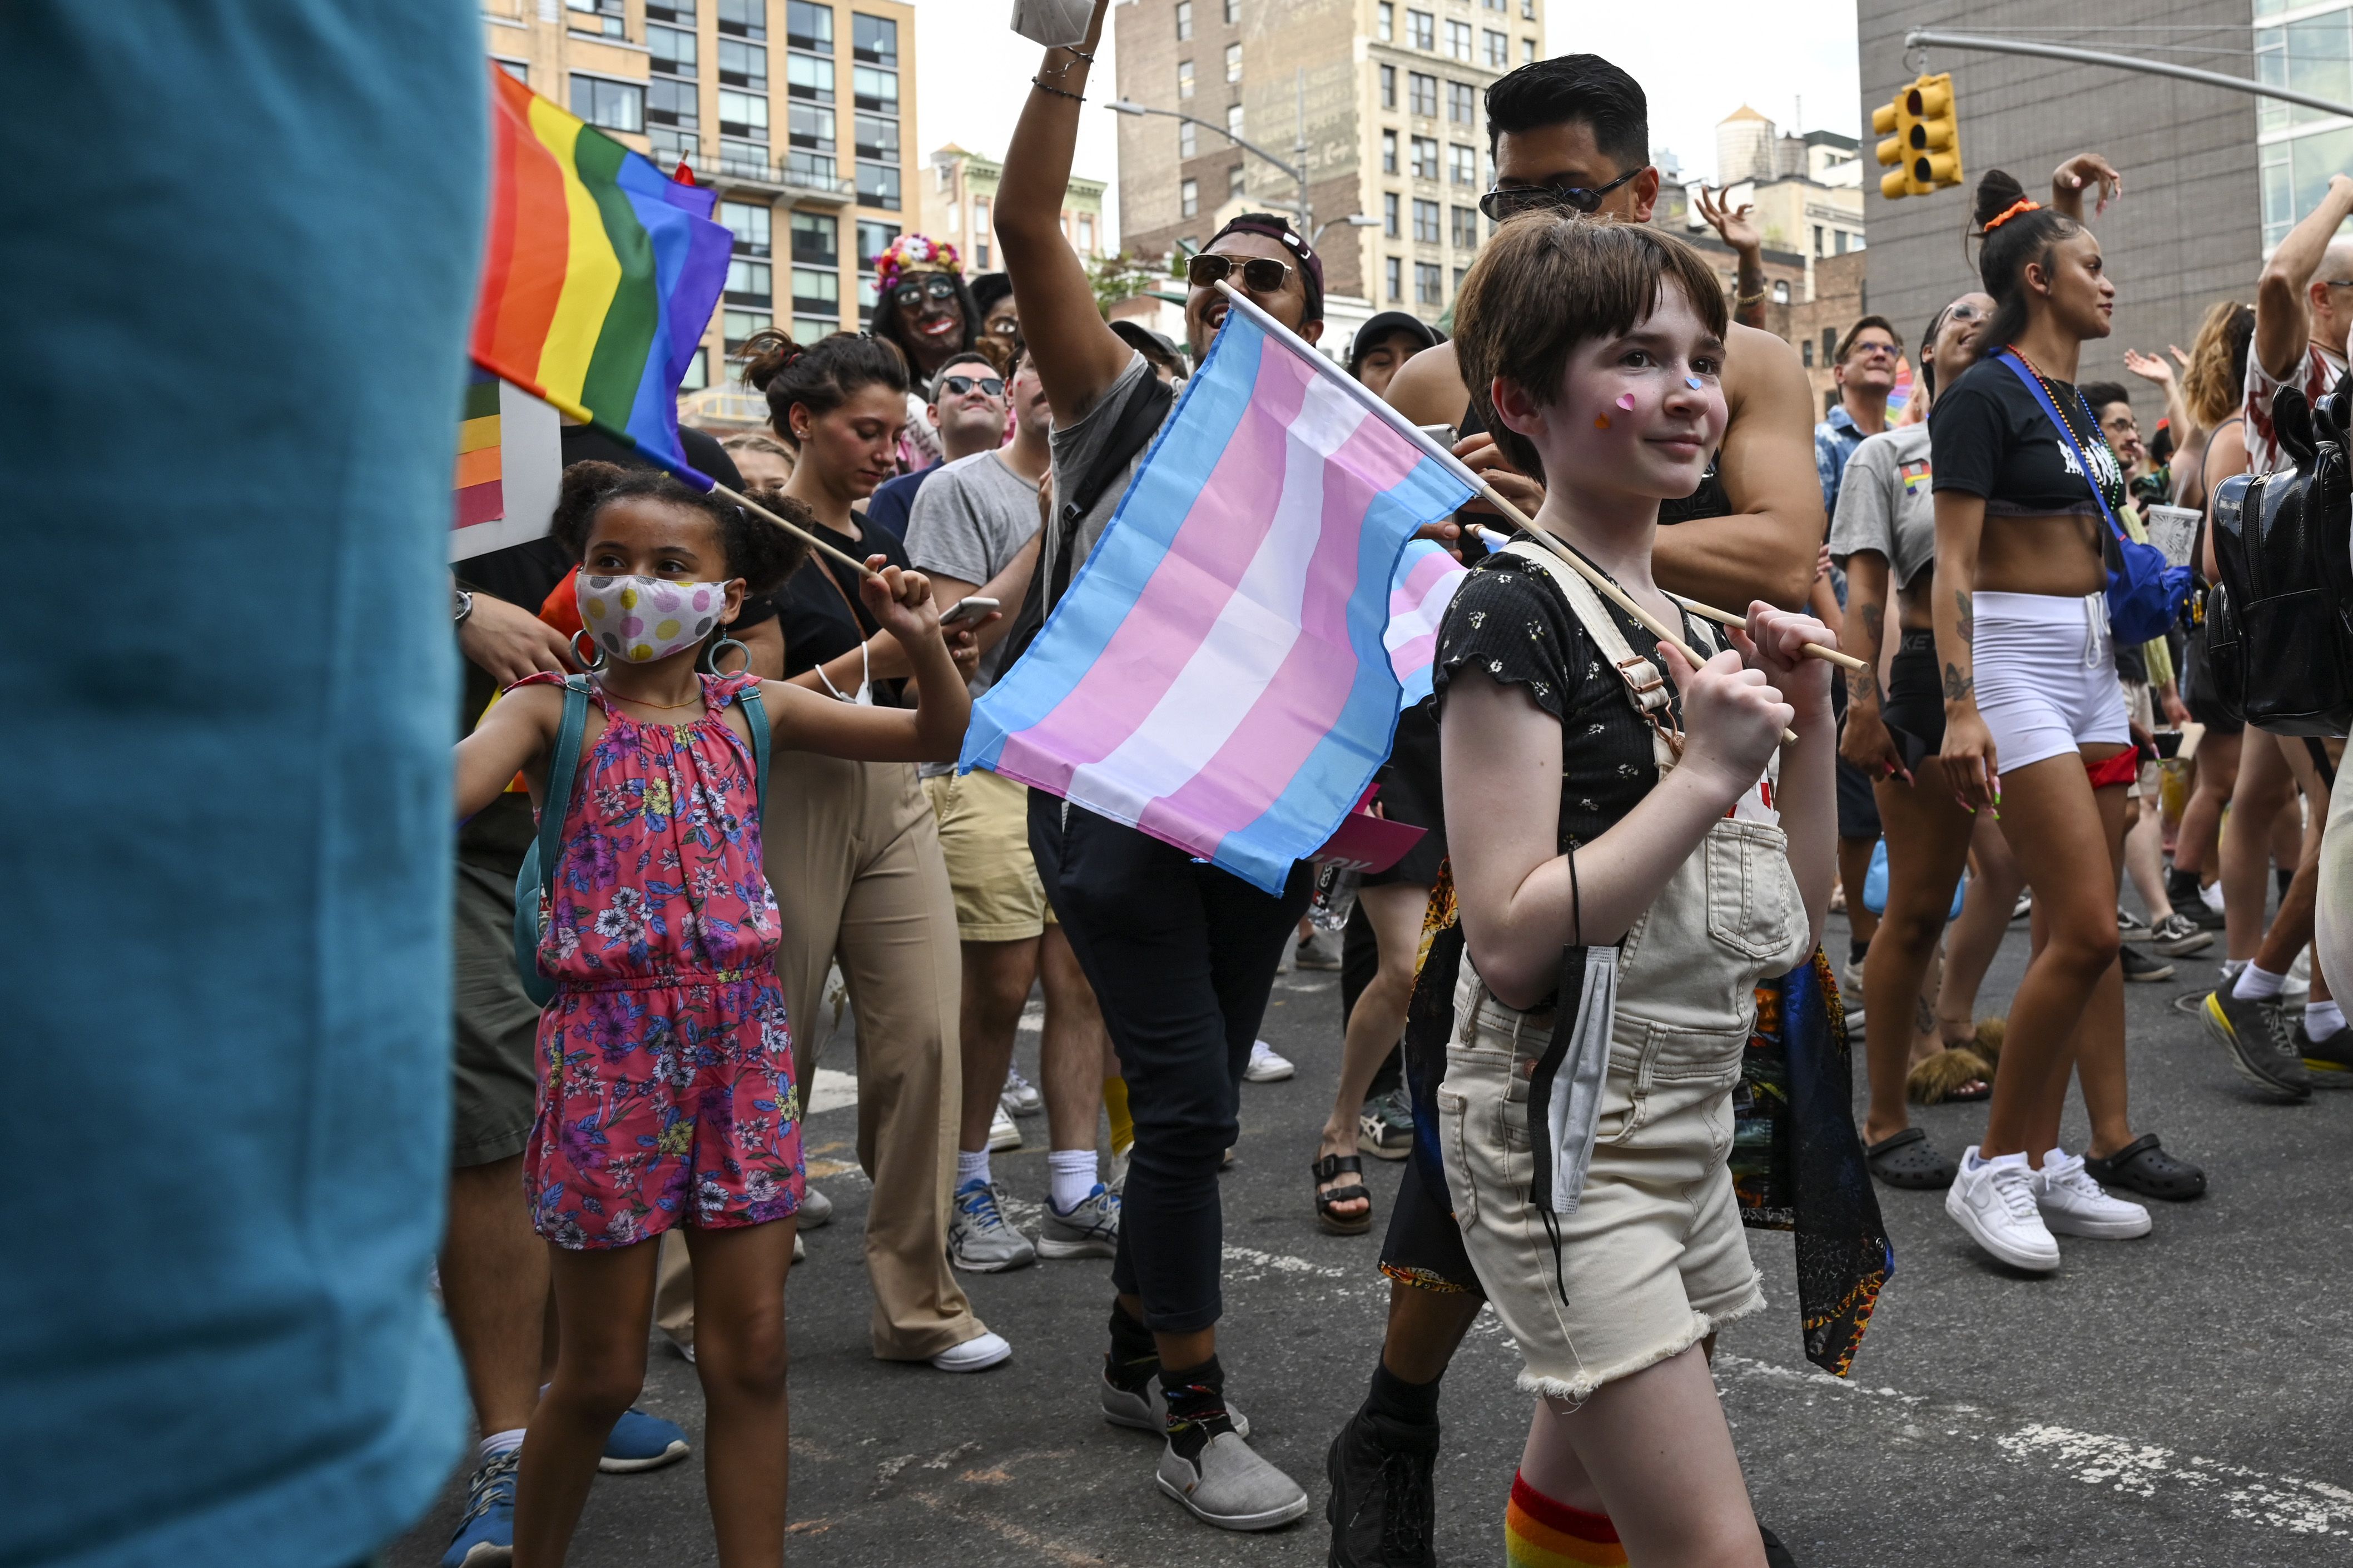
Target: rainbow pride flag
column 600, row 275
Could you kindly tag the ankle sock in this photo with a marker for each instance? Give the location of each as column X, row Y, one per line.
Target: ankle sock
column 493, row 1444
column 1123, row 1125
column 1410, row 1404
column 1072, row 1173
column 2211, row 895
column 1133, row 1358
column 2322, row 1019
column 1544, row 1533
column 971, row 1167
column 2256, row 983
column 1197, row 1406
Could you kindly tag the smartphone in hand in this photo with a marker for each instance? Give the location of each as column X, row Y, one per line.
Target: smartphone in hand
column 971, row 608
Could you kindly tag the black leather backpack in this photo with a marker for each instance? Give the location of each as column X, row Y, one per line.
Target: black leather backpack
column 2279, row 622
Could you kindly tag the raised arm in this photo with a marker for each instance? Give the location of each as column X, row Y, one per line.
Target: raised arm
column 1731, row 224
column 513, row 736
column 932, row 732
column 2085, row 171
column 1971, row 764
column 1765, row 547
column 2282, row 327
column 1078, row 356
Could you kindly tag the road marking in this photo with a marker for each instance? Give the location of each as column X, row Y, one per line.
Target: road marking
column 832, row 1091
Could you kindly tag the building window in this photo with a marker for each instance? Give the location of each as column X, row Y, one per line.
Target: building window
column 816, row 292
column 1393, row 274
column 1463, row 222
column 1184, row 20
column 1392, row 225
column 599, row 17
column 1425, row 223
column 1188, row 198
column 877, row 183
column 518, row 69
column 874, row 237
column 1188, row 138
column 1527, row 10
column 1840, row 240
column 743, row 65
column 808, row 80
column 1233, row 63
column 811, row 128
column 1462, row 103
column 673, row 145
column 1422, row 94
column 1495, row 6
column 1425, row 158
column 749, row 18
column 1184, row 78
column 817, row 239
column 878, row 138
column 672, row 103
column 1422, row 30
column 698, row 372
column 817, row 169
column 808, row 27
column 748, row 283
column 736, row 326
column 743, row 114
column 1429, row 283
column 1499, row 49
column 673, row 49
column 875, row 39
column 1458, row 273
column 1385, row 22
column 1087, row 230
column 1780, row 290
column 1234, row 181
column 1829, row 346
column 1233, row 12
column 1389, row 86
column 1463, row 165
column 874, row 88
column 749, row 224
column 1388, row 153
column 1527, row 51
column 1458, row 41
column 1806, row 353
column 1234, row 120
column 1817, row 241
column 670, row 11
column 615, row 105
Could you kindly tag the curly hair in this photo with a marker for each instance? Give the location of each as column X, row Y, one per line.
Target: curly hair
column 756, row 549
column 2216, row 380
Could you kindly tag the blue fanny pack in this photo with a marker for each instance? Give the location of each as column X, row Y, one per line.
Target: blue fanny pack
column 2146, row 594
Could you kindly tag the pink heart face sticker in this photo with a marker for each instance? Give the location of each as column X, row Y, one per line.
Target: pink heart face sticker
column 1626, row 401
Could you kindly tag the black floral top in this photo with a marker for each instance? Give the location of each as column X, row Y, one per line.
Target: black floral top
column 1511, row 622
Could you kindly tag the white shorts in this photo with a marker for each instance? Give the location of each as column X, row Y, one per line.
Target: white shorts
column 2046, row 676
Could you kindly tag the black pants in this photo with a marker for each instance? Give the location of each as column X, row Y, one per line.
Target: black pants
column 1181, row 957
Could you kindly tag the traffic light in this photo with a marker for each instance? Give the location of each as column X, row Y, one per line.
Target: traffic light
column 1922, row 139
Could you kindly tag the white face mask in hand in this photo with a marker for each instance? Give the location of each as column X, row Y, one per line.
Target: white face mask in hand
column 1052, row 22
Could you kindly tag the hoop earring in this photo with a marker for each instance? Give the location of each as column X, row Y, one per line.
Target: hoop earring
column 587, row 662
column 711, row 652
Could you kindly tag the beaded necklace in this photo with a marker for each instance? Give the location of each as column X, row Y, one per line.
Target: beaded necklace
column 2111, row 484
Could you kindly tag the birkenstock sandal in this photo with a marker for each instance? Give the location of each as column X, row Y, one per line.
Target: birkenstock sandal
column 1324, row 1170
column 2140, row 1166
column 1907, row 1159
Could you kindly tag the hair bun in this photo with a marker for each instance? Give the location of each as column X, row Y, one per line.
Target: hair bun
column 1997, row 192
column 767, row 352
column 584, row 485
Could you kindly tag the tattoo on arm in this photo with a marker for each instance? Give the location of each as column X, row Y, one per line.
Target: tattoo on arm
column 1872, row 618
column 1957, row 685
column 1968, row 615
column 1863, row 686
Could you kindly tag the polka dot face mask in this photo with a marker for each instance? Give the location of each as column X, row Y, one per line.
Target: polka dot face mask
column 641, row 619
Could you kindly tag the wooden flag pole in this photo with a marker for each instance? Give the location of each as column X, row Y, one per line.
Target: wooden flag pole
column 757, row 509
column 1725, row 618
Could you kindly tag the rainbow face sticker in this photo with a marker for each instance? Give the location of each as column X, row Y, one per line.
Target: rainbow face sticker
column 641, row 619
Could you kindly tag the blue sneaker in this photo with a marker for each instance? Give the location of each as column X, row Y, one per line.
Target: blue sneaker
column 485, row 1537
column 642, row 1442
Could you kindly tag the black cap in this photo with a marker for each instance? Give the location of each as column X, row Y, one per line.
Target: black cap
column 1388, row 324
column 1147, row 342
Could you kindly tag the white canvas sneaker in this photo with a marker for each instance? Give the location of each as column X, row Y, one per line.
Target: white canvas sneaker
column 1993, row 1200
column 2074, row 1205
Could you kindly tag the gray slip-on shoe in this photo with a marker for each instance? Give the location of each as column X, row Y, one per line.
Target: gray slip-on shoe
column 1147, row 1411
column 1229, row 1486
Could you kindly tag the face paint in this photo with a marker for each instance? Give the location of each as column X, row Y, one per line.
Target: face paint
column 1626, row 401
column 1692, row 382
column 1601, row 422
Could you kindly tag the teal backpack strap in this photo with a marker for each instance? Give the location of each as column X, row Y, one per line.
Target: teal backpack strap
column 536, row 880
column 756, row 717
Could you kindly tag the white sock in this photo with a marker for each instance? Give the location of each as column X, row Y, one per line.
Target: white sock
column 2322, row 1019
column 2231, row 967
column 2256, row 983
column 971, row 1167
column 1072, row 1172
column 2211, row 896
column 497, row 1443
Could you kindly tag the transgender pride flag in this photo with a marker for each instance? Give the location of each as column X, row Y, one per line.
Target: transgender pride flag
column 1217, row 674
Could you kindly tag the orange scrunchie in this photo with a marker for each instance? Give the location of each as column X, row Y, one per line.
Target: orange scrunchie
column 2022, row 204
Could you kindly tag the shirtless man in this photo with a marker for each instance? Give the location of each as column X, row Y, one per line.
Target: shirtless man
column 1572, row 133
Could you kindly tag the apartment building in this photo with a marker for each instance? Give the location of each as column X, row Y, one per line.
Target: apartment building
column 1379, row 102
column 800, row 111
column 959, row 206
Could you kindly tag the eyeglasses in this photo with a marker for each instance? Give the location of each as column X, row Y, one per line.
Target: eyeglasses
column 1261, row 274
column 1885, row 351
column 958, row 385
column 1509, row 201
column 1963, row 313
column 910, row 295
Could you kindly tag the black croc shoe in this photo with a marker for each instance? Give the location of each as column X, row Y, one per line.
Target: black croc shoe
column 2140, row 1166
column 1907, row 1159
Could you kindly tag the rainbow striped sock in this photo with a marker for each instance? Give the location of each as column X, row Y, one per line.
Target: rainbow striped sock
column 1539, row 1533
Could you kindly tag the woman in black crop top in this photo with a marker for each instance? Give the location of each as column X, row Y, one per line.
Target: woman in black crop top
column 2036, row 727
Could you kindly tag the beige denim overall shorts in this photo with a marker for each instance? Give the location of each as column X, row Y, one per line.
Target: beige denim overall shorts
column 1653, row 1258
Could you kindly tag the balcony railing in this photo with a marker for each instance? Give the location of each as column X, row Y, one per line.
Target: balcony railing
column 800, row 183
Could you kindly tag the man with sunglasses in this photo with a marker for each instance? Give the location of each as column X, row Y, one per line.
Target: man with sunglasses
column 966, row 411
column 1181, row 955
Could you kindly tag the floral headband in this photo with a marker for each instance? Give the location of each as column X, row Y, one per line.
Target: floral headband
column 914, row 253
column 2024, row 205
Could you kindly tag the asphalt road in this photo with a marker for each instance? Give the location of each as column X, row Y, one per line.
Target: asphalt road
column 2180, row 1400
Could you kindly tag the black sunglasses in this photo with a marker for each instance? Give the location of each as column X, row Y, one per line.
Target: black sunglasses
column 958, row 385
column 910, row 295
column 1261, row 274
column 1509, row 201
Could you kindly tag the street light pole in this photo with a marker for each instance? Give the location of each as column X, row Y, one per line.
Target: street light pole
column 1298, row 172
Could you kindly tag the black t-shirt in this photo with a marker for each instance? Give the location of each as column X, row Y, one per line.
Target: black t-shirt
column 1512, row 622
column 821, row 624
column 1988, row 436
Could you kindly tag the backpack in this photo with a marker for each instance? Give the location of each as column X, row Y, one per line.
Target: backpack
column 535, row 882
column 2279, row 622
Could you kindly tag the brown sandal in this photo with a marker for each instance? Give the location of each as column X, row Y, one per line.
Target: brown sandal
column 1325, row 1170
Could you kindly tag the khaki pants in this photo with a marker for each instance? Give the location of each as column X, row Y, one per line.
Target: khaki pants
column 853, row 853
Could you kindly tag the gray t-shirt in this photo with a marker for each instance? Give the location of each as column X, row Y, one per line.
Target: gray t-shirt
column 970, row 520
column 1884, row 504
column 1075, row 446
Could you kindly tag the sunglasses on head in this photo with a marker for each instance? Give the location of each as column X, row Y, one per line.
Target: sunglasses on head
column 958, row 385
column 1261, row 274
column 914, row 294
column 1509, row 201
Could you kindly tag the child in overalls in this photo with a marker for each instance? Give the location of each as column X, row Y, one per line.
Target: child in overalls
column 1647, row 846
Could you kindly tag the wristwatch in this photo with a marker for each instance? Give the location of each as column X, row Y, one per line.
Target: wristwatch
column 465, row 607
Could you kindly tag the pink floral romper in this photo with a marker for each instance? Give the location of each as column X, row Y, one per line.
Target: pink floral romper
column 665, row 1062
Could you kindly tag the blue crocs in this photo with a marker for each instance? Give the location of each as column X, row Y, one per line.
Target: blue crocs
column 642, row 1442
column 485, row 1537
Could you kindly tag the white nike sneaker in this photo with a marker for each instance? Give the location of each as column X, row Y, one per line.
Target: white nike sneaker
column 2074, row 1205
column 1267, row 1065
column 1994, row 1201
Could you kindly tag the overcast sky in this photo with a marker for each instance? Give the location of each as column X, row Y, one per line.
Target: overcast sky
column 972, row 72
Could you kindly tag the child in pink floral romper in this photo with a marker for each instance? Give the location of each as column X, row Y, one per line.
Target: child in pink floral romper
column 666, row 1083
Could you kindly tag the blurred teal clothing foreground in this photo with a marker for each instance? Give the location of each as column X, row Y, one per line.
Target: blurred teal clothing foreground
column 238, row 241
